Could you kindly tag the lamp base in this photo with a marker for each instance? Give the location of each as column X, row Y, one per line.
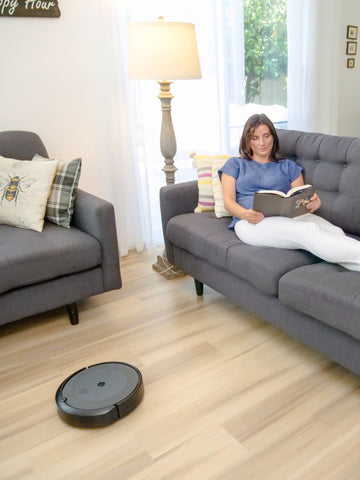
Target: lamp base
column 166, row 269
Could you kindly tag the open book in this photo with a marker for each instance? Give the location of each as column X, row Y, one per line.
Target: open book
column 290, row 204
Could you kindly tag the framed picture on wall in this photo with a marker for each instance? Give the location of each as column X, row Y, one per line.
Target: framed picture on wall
column 351, row 63
column 351, row 48
column 352, row 32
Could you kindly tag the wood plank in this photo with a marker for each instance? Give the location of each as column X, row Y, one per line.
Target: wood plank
column 227, row 396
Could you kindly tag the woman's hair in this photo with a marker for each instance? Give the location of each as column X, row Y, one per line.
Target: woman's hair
column 253, row 122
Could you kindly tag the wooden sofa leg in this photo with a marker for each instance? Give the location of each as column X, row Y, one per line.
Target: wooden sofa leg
column 199, row 287
column 73, row 313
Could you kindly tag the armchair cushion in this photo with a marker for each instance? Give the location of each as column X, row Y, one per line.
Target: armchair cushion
column 34, row 257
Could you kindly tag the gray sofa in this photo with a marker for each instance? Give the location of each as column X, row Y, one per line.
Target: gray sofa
column 59, row 266
column 316, row 302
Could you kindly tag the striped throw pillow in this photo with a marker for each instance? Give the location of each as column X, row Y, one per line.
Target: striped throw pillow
column 203, row 165
column 60, row 204
column 220, row 210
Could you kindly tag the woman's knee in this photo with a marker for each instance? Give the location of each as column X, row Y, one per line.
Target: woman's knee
column 244, row 230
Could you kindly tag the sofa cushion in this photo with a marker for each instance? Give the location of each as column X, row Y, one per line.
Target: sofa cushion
column 327, row 292
column 208, row 237
column 28, row 257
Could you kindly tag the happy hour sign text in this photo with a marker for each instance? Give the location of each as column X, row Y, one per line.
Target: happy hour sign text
column 29, row 8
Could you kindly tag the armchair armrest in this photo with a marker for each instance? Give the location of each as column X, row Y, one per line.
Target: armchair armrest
column 175, row 200
column 95, row 216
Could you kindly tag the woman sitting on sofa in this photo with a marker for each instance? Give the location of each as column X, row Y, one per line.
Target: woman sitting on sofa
column 257, row 169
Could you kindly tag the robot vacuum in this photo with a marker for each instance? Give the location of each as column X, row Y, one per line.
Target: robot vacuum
column 99, row 395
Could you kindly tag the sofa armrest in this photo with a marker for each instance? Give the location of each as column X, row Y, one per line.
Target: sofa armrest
column 96, row 217
column 175, row 200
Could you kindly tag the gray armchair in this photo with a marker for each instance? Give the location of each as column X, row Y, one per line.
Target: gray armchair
column 59, row 266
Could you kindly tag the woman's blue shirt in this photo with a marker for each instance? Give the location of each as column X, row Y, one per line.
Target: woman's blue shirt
column 252, row 176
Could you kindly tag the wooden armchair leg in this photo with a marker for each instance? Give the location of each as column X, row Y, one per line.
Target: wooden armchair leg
column 73, row 313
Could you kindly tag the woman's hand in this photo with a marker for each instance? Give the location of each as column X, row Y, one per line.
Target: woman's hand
column 229, row 192
column 314, row 203
column 252, row 216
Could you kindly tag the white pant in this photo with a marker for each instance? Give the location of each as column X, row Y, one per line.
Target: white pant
column 309, row 232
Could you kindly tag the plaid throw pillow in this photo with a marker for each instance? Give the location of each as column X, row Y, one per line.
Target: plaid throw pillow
column 60, row 205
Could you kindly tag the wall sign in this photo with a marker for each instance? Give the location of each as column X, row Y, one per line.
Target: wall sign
column 29, row 8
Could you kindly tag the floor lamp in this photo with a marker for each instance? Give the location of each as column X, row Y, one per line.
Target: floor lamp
column 164, row 51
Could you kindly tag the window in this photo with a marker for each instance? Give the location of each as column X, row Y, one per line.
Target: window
column 265, row 65
column 265, row 37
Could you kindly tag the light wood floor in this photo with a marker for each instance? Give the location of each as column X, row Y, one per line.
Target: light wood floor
column 227, row 396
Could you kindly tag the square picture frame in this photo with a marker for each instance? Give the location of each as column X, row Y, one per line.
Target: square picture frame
column 352, row 32
column 351, row 48
column 350, row 63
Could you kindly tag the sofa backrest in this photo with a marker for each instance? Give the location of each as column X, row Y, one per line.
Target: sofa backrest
column 21, row 145
column 332, row 163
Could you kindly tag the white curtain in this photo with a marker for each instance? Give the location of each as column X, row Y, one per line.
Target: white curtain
column 118, row 174
column 313, row 59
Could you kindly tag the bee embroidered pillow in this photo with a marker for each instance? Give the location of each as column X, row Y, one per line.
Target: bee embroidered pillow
column 24, row 190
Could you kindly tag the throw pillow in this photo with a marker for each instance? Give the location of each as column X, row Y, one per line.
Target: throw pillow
column 60, row 205
column 220, row 210
column 25, row 187
column 203, row 165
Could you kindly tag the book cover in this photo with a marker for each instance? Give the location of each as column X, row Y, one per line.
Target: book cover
column 291, row 204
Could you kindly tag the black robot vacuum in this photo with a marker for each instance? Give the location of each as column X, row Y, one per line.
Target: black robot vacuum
column 98, row 395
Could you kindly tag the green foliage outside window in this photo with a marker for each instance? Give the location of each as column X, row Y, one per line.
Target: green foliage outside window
column 265, row 36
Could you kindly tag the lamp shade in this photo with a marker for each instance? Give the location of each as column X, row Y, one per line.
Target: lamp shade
column 162, row 51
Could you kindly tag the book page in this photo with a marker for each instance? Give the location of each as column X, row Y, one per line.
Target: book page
column 273, row 192
column 300, row 188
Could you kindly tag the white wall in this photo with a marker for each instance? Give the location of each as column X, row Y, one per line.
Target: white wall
column 48, row 73
column 349, row 78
